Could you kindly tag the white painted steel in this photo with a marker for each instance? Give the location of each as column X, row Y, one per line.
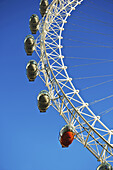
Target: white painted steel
column 90, row 131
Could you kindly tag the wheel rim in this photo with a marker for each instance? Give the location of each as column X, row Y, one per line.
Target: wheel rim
column 64, row 95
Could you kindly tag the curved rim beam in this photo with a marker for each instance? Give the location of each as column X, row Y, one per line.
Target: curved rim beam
column 87, row 129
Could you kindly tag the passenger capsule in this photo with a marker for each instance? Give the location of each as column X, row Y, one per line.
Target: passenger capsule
column 105, row 166
column 66, row 135
column 43, row 6
column 43, row 100
column 32, row 70
column 34, row 23
column 29, row 44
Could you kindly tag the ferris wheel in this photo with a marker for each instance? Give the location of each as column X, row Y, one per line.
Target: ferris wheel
column 82, row 123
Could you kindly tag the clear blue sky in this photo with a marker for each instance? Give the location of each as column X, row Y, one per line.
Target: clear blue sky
column 28, row 139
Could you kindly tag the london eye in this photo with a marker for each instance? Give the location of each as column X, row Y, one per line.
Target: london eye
column 67, row 93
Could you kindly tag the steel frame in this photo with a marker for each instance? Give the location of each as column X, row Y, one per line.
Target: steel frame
column 65, row 98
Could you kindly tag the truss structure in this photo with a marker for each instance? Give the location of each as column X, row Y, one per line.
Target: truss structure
column 89, row 129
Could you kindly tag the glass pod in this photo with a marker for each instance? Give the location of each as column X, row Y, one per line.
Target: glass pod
column 43, row 100
column 29, row 44
column 32, row 70
column 105, row 166
column 66, row 135
column 34, row 23
column 43, row 6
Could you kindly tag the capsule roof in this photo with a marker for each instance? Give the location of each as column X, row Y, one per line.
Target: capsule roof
column 67, row 128
column 32, row 70
column 43, row 92
column 43, row 6
column 44, row 2
column 29, row 37
column 31, row 62
column 105, row 166
column 34, row 23
column 34, row 16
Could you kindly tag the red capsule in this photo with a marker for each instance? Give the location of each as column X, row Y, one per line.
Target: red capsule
column 66, row 135
column 67, row 138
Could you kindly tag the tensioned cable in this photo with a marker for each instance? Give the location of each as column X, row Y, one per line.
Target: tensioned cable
column 90, row 30
column 91, row 19
column 90, row 64
column 100, row 76
column 81, row 78
column 92, row 43
column 108, row 35
column 87, row 43
column 102, row 46
column 106, row 111
column 82, row 58
column 96, row 85
column 96, row 101
column 100, row 8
